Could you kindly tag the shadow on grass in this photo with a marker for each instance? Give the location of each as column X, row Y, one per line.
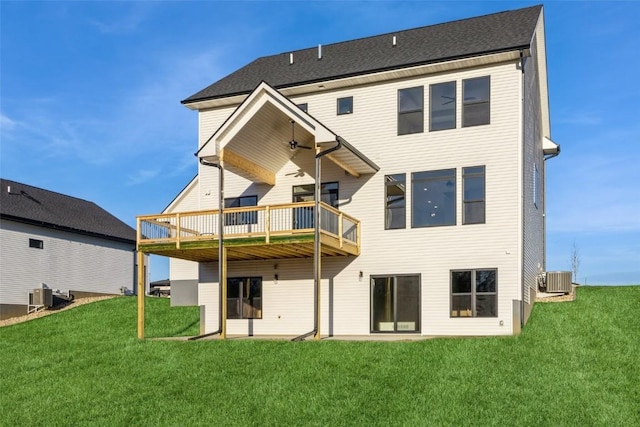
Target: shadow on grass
column 188, row 327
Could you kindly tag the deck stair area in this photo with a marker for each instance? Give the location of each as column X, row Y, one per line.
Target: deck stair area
column 255, row 232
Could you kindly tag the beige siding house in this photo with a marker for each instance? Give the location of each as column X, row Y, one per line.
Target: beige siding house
column 397, row 192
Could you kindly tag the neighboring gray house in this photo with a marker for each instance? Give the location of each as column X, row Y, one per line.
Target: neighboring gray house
column 60, row 242
column 386, row 185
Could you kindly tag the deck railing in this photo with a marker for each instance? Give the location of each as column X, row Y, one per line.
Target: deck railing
column 246, row 222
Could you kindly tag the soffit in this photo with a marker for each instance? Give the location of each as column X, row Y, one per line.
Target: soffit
column 254, row 141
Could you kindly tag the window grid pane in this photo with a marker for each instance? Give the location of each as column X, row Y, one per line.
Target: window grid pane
column 345, row 105
column 475, row 104
column 474, row 293
column 395, row 201
column 410, row 110
column 442, row 106
column 473, row 183
column 433, row 198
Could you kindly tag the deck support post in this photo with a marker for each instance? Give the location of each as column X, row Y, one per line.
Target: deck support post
column 141, row 292
column 223, row 305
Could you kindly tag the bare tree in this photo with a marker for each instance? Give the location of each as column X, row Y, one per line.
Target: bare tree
column 575, row 262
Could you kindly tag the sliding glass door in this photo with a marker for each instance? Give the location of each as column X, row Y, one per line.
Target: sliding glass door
column 395, row 303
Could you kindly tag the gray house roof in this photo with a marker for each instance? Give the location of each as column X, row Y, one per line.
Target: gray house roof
column 33, row 205
column 498, row 32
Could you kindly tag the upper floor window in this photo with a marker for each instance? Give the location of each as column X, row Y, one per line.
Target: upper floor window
column 345, row 105
column 474, row 293
column 304, row 107
column 433, row 198
column 395, row 201
column 410, row 110
column 35, row 243
column 442, row 106
column 239, row 218
column 473, row 200
column 475, row 104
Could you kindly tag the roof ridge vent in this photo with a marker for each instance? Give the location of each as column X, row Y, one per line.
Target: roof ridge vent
column 394, row 41
column 319, row 51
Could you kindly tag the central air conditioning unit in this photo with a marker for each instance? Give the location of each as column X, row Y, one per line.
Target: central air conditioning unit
column 559, row 281
column 43, row 296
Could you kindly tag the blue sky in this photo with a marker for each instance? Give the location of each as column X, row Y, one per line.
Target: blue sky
column 90, row 91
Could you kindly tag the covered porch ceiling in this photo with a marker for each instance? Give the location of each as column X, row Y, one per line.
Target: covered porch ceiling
column 255, row 140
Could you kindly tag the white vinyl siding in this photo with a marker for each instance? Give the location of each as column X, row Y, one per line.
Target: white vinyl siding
column 430, row 252
column 532, row 159
column 68, row 261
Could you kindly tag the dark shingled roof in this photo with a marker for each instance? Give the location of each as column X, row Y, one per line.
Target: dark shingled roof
column 45, row 208
column 498, row 32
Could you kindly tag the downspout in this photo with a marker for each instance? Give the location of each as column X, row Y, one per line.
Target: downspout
column 524, row 168
column 317, row 255
column 222, row 297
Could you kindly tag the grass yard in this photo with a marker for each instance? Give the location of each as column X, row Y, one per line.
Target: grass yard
column 576, row 363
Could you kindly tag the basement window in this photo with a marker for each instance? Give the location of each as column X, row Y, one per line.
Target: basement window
column 35, row 243
column 345, row 105
column 474, row 293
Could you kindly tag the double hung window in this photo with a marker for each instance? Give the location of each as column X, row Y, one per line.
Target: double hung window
column 410, row 110
column 473, row 182
column 475, row 104
column 442, row 106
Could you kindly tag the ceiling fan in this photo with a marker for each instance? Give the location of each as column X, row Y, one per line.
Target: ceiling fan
column 293, row 144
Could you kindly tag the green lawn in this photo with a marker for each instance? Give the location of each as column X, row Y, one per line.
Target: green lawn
column 576, row 364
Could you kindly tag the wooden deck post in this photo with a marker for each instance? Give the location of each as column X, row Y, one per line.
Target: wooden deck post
column 141, row 289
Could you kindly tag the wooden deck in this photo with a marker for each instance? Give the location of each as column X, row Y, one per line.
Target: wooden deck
column 256, row 232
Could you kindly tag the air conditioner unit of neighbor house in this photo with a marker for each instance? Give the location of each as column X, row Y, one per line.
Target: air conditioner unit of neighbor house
column 558, row 281
column 43, row 296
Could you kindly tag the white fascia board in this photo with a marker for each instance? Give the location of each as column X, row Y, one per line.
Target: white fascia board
column 549, row 147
